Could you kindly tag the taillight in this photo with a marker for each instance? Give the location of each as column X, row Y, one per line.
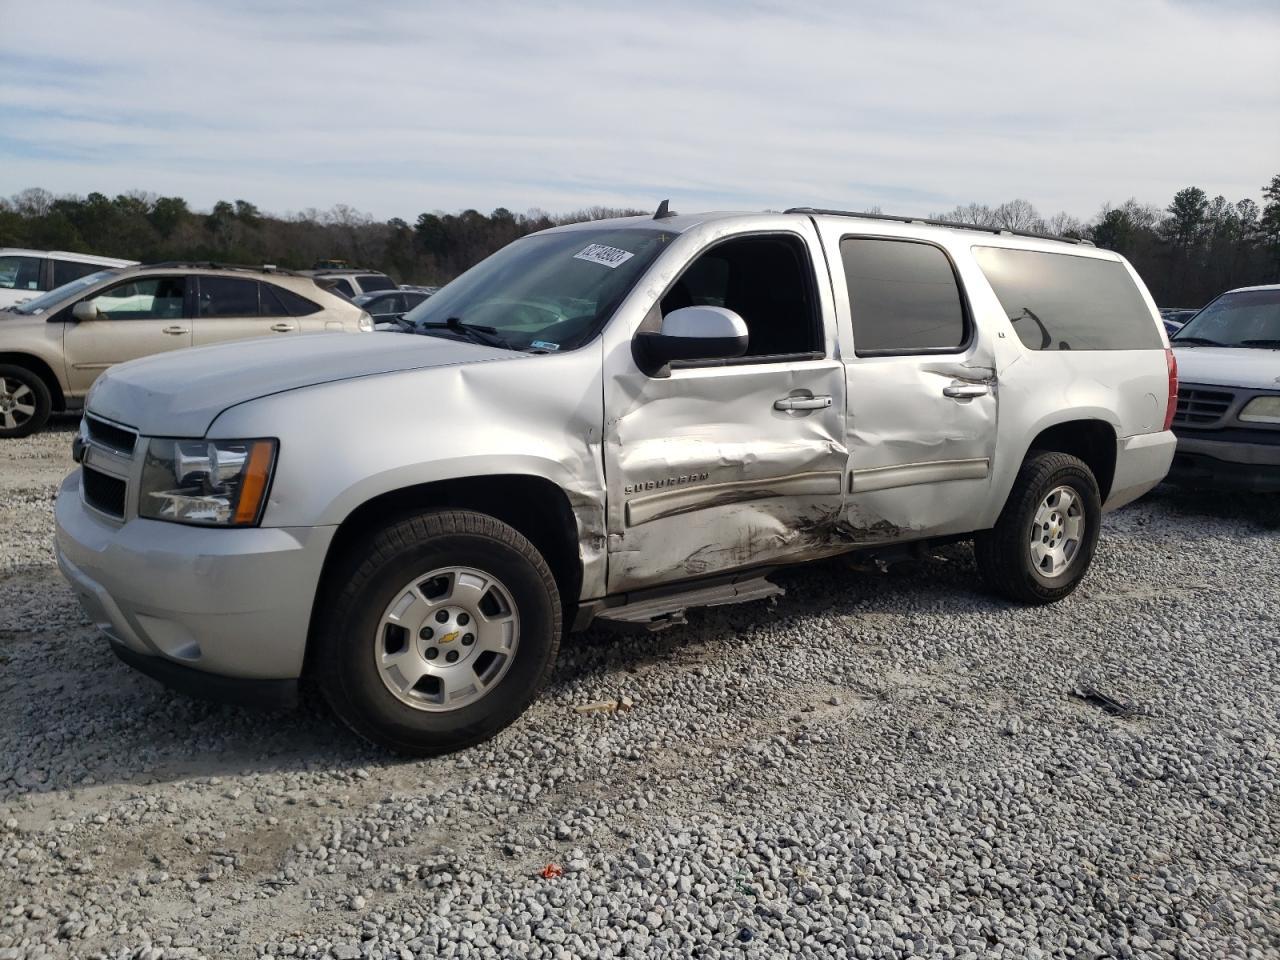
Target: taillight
column 1172, row 408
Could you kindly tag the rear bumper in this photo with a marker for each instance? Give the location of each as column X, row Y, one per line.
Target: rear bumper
column 1227, row 465
column 1141, row 463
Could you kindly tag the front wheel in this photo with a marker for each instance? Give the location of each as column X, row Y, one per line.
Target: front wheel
column 444, row 630
column 1043, row 543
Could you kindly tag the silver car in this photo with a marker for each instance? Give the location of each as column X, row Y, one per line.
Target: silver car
column 613, row 421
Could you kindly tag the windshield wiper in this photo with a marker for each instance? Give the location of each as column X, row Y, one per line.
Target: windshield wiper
column 1200, row 341
column 1273, row 343
column 488, row 336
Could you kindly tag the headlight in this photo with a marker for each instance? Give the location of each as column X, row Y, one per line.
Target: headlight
column 365, row 322
column 217, row 483
column 1262, row 410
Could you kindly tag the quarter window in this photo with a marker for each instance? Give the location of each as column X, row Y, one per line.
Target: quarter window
column 20, row 273
column 1061, row 301
column 295, row 304
column 904, row 297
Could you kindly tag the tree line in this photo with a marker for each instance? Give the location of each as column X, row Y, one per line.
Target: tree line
column 1187, row 252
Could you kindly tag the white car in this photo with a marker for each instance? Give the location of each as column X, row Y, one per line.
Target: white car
column 1228, row 417
column 615, row 420
column 28, row 273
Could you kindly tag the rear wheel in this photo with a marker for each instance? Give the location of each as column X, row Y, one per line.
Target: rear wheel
column 25, row 403
column 445, row 629
column 1043, row 543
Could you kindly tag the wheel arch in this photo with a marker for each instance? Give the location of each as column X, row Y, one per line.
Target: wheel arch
column 40, row 368
column 1092, row 440
column 535, row 506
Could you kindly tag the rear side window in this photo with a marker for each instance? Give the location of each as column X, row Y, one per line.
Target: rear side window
column 371, row 282
column 295, row 304
column 64, row 271
column 340, row 285
column 1059, row 301
column 903, row 296
column 228, row 297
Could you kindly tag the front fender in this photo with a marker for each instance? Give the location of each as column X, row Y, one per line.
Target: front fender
column 344, row 443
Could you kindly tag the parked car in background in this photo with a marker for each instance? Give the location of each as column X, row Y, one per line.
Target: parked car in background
column 53, row 347
column 1174, row 317
column 616, row 420
column 1228, row 416
column 25, row 274
column 388, row 306
column 352, row 281
column 429, row 291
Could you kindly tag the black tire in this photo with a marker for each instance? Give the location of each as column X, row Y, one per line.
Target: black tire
column 24, row 424
column 368, row 580
column 1004, row 552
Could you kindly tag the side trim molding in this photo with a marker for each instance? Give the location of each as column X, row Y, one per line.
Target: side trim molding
column 911, row 474
column 670, row 503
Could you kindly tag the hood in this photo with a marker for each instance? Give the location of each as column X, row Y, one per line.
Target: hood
column 180, row 394
column 1253, row 368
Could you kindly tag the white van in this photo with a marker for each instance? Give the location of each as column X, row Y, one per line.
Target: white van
column 28, row 273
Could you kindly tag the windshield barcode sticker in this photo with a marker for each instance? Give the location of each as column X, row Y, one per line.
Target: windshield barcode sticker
column 607, row 256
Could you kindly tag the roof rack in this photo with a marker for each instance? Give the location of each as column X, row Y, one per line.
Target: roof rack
column 214, row 265
column 998, row 231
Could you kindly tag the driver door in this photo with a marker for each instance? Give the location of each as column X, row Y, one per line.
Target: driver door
column 137, row 318
column 733, row 463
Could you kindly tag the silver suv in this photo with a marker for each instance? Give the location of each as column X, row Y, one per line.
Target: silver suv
column 53, row 347
column 613, row 421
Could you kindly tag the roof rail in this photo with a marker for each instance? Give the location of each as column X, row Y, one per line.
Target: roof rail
column 998, row 231
column 214, row 265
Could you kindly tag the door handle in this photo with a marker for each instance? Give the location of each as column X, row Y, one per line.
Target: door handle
column 283, row 327
column 802, row 403
column 174, row 331
column 965, row 391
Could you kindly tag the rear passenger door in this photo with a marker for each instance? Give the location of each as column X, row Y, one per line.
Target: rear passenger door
column 238, row 308
column 922, row 393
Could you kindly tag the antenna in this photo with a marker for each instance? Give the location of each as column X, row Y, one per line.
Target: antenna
column 664, row 211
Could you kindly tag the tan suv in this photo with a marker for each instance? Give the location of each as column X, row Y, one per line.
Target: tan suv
column 54, row 346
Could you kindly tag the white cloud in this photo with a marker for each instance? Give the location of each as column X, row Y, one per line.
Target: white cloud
column 397, row 108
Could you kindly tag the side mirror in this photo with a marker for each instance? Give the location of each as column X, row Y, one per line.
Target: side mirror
column 85, row 310
column 692, row 333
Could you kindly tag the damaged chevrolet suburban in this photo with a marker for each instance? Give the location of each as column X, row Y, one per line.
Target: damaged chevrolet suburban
column 611, row 421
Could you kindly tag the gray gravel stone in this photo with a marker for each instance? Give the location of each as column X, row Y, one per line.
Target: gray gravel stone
column 878, row 766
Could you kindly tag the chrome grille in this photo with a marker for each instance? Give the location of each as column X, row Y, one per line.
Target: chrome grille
column 110, row 436
column 104, row 492
column 1197, row 406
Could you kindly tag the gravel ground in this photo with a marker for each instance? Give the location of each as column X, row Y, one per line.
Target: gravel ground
column 881, row 764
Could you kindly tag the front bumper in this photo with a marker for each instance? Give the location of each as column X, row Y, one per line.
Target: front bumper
column 1231, row 463
column 181, row 602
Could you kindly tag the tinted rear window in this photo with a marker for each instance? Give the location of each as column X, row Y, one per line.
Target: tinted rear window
column 371, row 282
column 1058, row 301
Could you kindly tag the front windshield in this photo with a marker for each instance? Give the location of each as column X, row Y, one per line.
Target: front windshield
column 1250, row 318
column 546, row 292
column 38, row 305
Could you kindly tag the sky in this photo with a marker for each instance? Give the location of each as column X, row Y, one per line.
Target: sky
column 400, row 107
